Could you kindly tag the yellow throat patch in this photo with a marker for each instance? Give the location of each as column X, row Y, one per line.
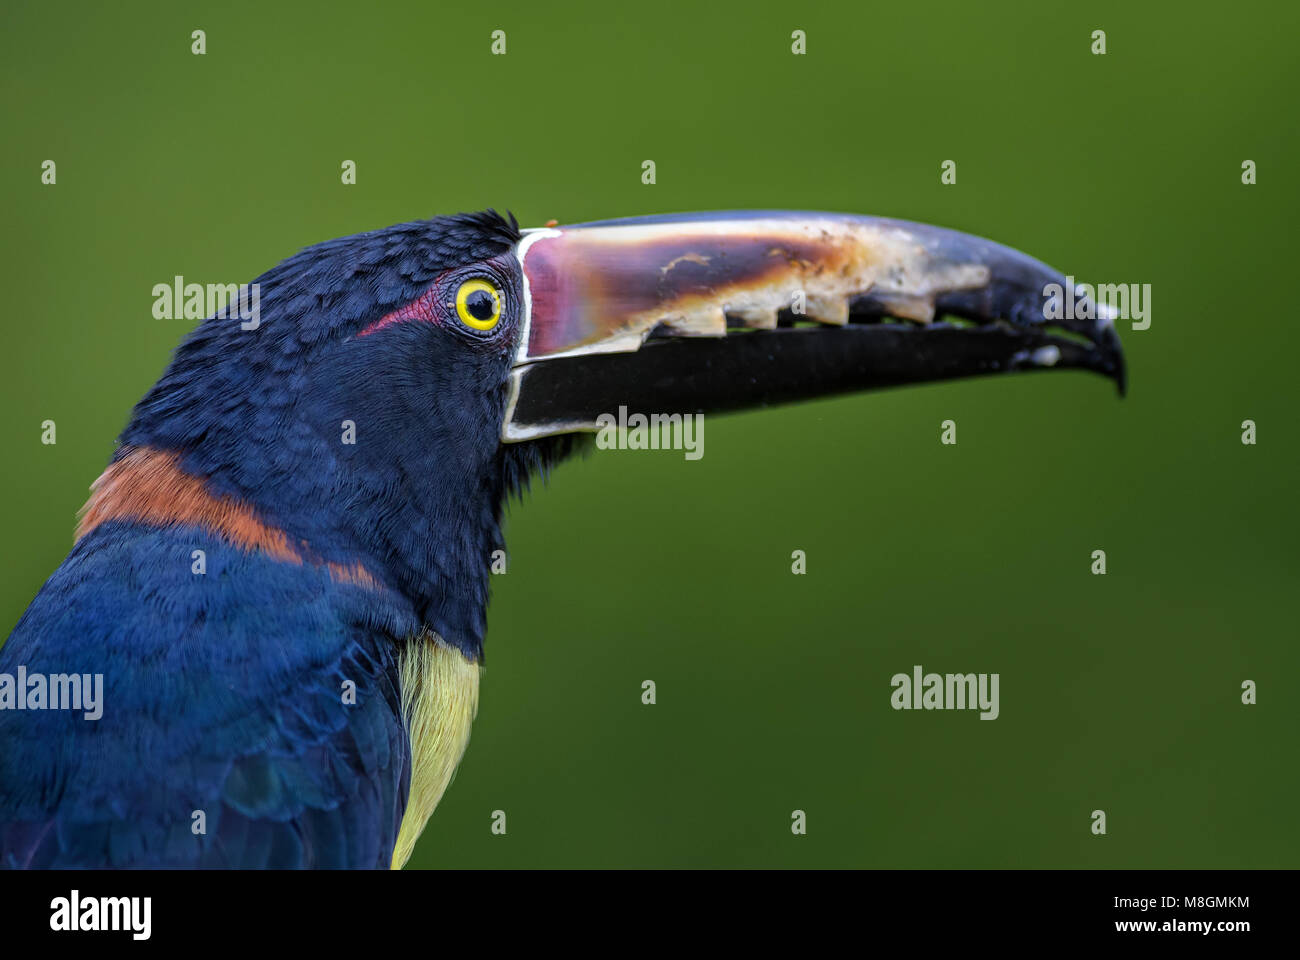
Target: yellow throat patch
column 439, row 701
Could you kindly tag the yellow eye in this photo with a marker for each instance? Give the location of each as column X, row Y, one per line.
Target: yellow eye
column 478, row 304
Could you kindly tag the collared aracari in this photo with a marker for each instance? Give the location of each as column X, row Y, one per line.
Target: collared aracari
column 282, row 575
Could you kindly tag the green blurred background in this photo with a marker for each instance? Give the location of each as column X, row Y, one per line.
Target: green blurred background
column 1119, row 692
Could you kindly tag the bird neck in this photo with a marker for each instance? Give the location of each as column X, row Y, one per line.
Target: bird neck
column 341, row 481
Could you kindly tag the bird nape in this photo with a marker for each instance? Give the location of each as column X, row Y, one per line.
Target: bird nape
column 263, row 649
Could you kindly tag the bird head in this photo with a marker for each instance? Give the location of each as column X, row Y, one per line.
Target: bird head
column 400, row 384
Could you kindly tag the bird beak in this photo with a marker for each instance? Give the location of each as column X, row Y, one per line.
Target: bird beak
column 709, row 313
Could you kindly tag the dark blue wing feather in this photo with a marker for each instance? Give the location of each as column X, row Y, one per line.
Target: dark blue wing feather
column 223, row 692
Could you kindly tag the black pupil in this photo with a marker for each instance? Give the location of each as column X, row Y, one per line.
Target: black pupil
column 480, row 305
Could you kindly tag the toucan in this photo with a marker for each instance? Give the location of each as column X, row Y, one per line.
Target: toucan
column 264, row 648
